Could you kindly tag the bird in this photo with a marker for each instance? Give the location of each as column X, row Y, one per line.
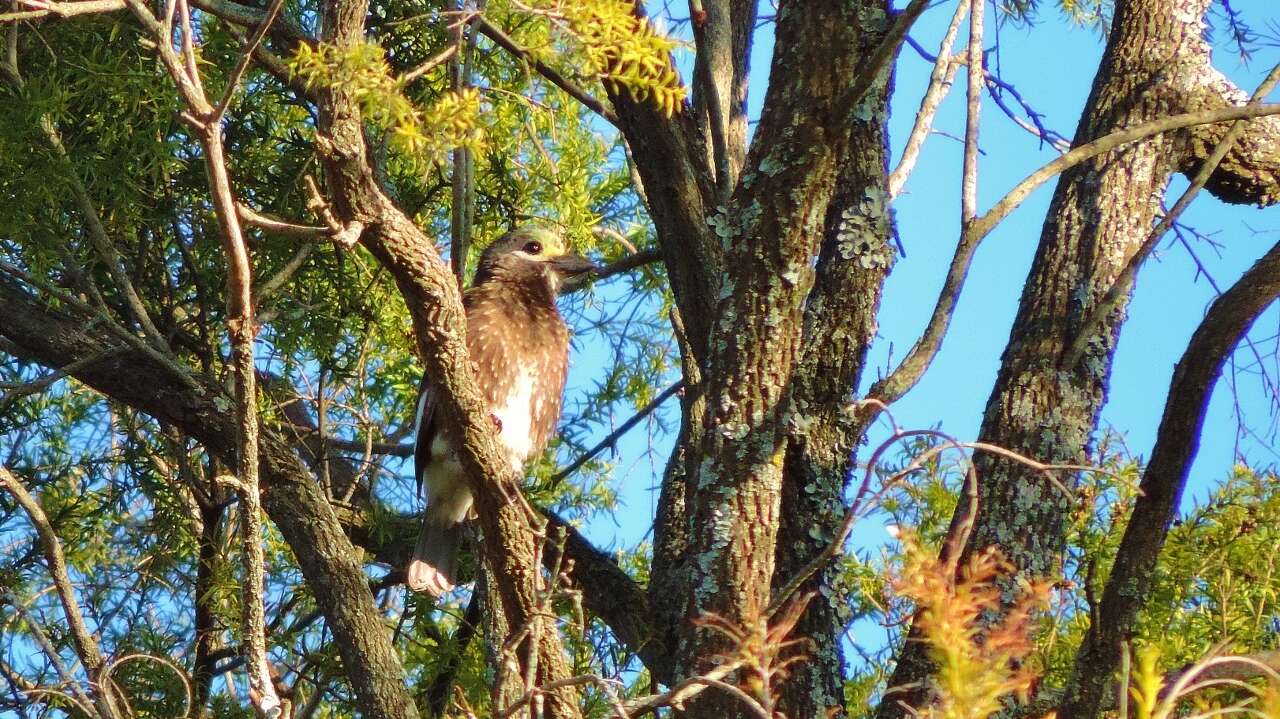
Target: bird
column 520, row 346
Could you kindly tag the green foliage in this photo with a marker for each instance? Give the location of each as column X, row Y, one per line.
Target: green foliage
column 361, row 70
column 129, row 497
column 621, row 48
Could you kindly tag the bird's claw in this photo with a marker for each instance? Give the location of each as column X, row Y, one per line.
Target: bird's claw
column 497, row 421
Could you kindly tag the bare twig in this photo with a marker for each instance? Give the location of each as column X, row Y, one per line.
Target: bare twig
column 944, row 71
column 278, row 226
column 617, row 267
column 864, row 500
column 973, row 111
column 918, row 359
column 246, row 56
column 435, row 61
column 616, row 434
column 688, row 689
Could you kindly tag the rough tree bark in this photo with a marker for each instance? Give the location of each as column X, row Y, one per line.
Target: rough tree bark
column 1163, row 480
column 856, row 256
column 1156, row 63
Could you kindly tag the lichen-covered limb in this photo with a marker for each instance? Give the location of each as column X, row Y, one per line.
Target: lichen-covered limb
column 855, row 257
column 1163, row 480
column 770, row 231
column 1250, row 172
column 435, row 306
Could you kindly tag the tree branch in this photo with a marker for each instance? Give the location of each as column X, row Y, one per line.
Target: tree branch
column 86, row 647
column 912, row 368
column 506, row 43
column 291, row 497
column 940, row 80
column 613, row 436
column 1164, row 478
column 435, row 305
column 1124, row 281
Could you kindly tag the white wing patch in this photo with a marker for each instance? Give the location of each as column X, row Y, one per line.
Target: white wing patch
column 516, row 415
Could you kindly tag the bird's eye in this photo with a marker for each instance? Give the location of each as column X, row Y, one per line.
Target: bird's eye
column 533, row 248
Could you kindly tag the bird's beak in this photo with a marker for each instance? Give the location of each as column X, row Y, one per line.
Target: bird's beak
column 573, row 265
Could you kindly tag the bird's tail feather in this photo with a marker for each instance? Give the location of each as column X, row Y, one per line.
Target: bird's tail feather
column 432, row 568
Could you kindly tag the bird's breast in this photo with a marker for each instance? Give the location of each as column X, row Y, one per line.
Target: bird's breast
column 515, row 412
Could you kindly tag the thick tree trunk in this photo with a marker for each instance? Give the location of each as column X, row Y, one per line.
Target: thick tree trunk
column 771, row 230
column 1156, row 64
column 840, row 323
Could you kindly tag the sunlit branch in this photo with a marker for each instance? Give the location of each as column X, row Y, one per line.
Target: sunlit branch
column 86, row 647
column 1118, row 289
column 944, row 70
column 506, row 43
column 918, row 359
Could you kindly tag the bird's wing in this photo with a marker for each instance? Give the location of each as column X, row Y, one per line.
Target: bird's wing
column 425, row 428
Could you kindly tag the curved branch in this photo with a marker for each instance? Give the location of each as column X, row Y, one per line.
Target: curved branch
column 1163, row 480
column 913, row 366
column 86, row 648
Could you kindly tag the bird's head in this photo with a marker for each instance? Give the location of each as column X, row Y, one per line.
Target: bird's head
column 532, row 255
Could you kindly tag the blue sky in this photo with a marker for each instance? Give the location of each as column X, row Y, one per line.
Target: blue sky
column 1052, row 64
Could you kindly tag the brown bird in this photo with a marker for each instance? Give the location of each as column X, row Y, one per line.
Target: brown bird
column 520, row 345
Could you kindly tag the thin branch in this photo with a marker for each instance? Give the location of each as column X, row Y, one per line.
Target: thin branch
column 908, row 372
column 616, row 434
column 86, row 647
column 1120, row 287
column 686, row 690
column 276, row 281
column 42, row 383
column 241, row 327
column 62, row 9
column 506, row 43
column 617, row 267
column 973, row 112
column 246, row 56
column 83, row 701
column 278, row 226
column 886, row 50
column 939, row 85
column 102, row 244
column 716, row 120
column 436, row 61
